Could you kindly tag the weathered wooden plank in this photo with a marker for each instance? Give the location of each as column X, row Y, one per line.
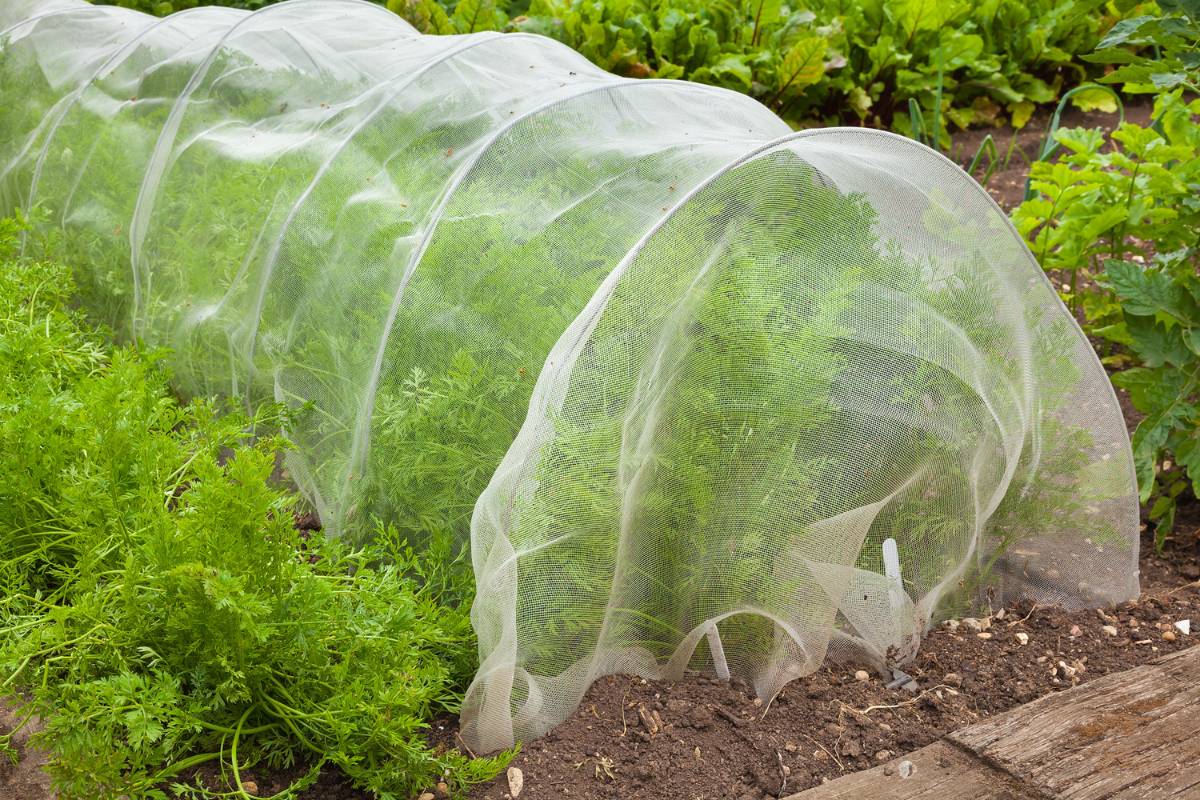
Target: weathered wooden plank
column 1133, row 735
column 940, row 771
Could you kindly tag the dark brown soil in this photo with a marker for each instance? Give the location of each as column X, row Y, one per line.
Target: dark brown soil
column 25, row 779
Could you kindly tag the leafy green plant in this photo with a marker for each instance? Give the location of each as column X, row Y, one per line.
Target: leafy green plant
column 1050, row 144
column 830, row 61
column 826, row 61
column 1119, row 218
column 1097, row 203
column 161, row 611
column 928, row 131
column 1153, row 53
column 1160, row 306
column 164, row 7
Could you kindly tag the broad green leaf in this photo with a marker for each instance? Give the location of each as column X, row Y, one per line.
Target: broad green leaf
column 1187, row 453
column 1080, row 140
column 668, row 70
column 1168, row 80
column 1191, row 8
column 672, row 41
column 762, row 14
column 958, row 50
column 471, row 16
column 730, row 71
column 803, row 65
column 1155, row 344
column 1145, row 457
column 1192, row 338
column 1162, row 512
column 860, row 101
column 704, row 46
column 1094, row 100
column 1020, row 113
column 1117, row 333
column 922, row 15
column 1103, row 222
column 1130, row 73
column 1150, row 388
column 1123, row 31
column 1150, row 438
column 1114, row 55
column 1146, row 292
column 1036, row 89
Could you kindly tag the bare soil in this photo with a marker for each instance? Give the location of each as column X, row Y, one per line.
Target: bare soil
column 25, row 779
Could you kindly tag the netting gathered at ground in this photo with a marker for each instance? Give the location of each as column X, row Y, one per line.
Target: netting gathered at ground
column 703, row 392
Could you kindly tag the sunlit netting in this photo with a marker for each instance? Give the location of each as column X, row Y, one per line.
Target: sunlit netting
column 756, row 397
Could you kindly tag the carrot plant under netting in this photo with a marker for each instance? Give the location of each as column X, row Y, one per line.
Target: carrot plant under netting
column 702, row 392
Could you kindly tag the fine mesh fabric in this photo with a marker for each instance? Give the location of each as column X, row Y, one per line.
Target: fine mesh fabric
column 749, row 398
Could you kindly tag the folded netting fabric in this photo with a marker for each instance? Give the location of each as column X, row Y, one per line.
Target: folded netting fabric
column 748, row 398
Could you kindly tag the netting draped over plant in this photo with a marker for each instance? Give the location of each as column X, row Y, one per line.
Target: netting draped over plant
column 751, row 396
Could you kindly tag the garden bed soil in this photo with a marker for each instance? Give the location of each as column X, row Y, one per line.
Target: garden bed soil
column 700, row 738
column 715, row 740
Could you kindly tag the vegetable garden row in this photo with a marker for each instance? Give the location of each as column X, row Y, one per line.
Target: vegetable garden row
column 163, row 611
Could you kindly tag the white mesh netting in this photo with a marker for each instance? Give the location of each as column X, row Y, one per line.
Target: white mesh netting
column 757, row 397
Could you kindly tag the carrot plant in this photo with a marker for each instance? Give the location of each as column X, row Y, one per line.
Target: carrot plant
column 160, row 609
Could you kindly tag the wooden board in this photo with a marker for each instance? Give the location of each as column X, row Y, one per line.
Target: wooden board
column 940, row 771
column 1132, row 735
column 1127, row 736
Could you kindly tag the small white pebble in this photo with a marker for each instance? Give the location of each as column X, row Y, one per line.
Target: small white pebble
column 984, row 635
column 516, row 781
column 1076, row 630
column 1023, row 638
column 906, row 768
column 1109, row 630
column 862, row 675
column 1184, row 626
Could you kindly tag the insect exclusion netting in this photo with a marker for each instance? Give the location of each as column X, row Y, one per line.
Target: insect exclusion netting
column 738, row 398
